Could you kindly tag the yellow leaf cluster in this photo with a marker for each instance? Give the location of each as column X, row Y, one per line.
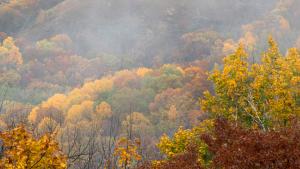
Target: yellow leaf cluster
column 9, row 52
column 103, row 110
column 261, row 95
column 182, row 138
column 127, row 152
column 23, row 151
column 141, row 72
column 80, row 111
column 74, row 103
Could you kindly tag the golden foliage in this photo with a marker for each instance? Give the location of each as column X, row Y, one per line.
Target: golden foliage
column 141, row 72
column 80, row 111
column 9, row 52
column 263, row 95
column 127, row 152
column 47, row 125
column 73, row 103
column 57, row 101
column 32, row 117
column 137, row 121
column 22, row 151
column 183, row 138
column 93, row 88
column 103, row 110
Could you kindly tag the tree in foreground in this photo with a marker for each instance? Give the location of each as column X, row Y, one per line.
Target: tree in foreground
column 234, row 146
column 186, row 160
column 259, row 100
column 238, row 147
column 23, row 151
column 261, row 95
column 126, row 151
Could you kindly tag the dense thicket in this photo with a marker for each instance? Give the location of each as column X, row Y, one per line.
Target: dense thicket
column 67, row 42
column 258, row 102
column 233, row 146
column 117, row 83
column 236, row 147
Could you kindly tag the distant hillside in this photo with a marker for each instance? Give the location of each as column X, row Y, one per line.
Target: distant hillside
column 140, row 27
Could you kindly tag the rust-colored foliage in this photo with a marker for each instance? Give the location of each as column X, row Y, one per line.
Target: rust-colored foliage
column 236, row 147
column 187, row 160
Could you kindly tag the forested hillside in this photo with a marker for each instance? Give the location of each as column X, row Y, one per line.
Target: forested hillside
column 149, row 84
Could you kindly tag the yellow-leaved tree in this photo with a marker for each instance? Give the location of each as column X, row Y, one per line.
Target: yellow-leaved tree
column 10, row 61
column 126, row 151
column 180, row 141
column 103, row 110
column 262, row 95
column 9, row 52
column 22, row 151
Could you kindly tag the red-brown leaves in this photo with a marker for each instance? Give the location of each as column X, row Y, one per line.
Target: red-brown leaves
column 236, row 147
column 187, row 160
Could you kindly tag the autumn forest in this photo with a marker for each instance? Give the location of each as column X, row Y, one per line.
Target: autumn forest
column 149, row 84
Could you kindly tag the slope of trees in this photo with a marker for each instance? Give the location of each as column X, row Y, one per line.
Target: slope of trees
column 117, row 83
column 135, row 104
column 147, row 33
column 118, row 120
column 257, row 99
column 254, row 110
column 58, row 56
